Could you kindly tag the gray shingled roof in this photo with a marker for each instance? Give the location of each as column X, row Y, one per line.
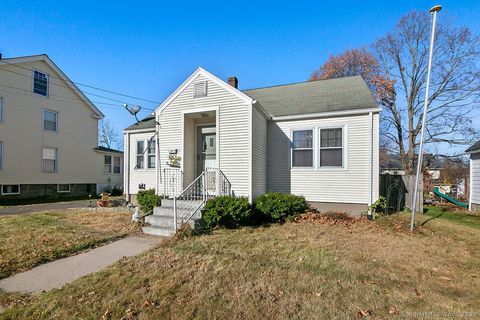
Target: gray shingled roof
column 315, row 96
column 147, row 123
column 475, row 147
column 105, row 149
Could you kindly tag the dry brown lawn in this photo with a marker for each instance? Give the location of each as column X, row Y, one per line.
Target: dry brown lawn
column 326, row 269
column 29, row 240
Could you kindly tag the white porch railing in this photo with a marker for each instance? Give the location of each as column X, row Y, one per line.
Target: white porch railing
column 209, row 184
column 172, row 182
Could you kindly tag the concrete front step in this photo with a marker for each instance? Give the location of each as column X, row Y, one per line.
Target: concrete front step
column 181, row 212
column 168, row 203
column 158, row 231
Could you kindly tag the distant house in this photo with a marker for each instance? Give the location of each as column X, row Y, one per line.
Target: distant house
column 49, row 134
column 474, row 152
column 318, row 139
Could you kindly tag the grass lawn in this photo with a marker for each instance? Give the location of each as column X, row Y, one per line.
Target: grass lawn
column 29, row 240
column 297, row 270
column 454, row 214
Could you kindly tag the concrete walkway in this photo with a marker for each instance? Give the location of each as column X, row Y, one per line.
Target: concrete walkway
column 60, row 272
column 45, row 207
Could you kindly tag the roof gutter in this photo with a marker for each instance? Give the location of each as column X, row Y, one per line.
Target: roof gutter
column 139, row 130
column 326, row 114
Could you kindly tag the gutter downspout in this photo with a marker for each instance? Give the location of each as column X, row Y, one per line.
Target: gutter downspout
column 127, row 167
column 470, row 186
column 370, row 157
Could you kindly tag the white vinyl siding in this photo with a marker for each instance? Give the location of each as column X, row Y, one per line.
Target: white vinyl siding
column 347, row 184
column 233, row 153
column 137, row 177
column 259, row 153
column 23, row 136
column 475, row 178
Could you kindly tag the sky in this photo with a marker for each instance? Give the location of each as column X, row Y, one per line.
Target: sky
column 146, row 49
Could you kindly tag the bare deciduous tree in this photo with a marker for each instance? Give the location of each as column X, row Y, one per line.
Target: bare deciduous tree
column 396, row 72
column 455, row 83
column 107, row 136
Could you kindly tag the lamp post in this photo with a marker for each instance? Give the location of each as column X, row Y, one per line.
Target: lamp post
column 433, row 12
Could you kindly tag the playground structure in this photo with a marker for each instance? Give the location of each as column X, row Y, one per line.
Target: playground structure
column 437, row 192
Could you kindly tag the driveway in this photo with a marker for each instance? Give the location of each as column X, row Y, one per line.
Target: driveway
column 45, row 207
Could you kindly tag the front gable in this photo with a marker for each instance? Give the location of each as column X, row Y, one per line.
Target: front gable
column 203, row 88
column 58, row 81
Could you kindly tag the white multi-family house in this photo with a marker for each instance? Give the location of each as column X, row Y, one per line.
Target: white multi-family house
column 49, row 134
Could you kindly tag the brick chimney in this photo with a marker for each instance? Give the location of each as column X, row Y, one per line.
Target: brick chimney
column 233, row 81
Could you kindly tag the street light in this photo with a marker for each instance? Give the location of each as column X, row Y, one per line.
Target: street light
column 433, row 12
column 133, row 110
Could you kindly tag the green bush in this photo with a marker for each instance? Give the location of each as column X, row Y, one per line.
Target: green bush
column 227, row 211
column 379, row 205
column 276, row 207
column 147, row 199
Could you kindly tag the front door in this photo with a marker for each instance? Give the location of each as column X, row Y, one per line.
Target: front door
column 206, row 148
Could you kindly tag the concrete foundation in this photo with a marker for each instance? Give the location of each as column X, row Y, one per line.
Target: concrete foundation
column 350, row 208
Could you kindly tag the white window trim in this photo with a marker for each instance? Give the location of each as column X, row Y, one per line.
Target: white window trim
column 313, row 148
column 112, row 164
column 344, row 166
column 56, row 160
column 135, row 164
column 8, row 193
column 67, row 184
column 147, row 155
column 33, row 83
column 43, row 120
column 316, row 147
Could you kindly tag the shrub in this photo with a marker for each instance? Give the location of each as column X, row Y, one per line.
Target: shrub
column 276, row 207
column 227, row 211
column 147, row 199
column 115, row 192
column 380, row 205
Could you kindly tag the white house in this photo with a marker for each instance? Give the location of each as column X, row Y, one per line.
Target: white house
column 318, row 139
column 474, row 152
column 49, row 134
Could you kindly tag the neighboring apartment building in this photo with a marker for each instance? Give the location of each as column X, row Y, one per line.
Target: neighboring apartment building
column 49, row 134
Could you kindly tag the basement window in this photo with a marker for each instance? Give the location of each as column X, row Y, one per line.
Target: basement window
column 63, row 188
column 10, row 189
column 200, row 89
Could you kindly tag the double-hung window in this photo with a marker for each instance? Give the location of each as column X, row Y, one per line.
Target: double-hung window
column 151, row 154
column 49, row 159
column 302, row 148
column 116, row 164
column 50, row 120
column 331, row 147
column 40, row 83
column 140, row 155
column 107, row 168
